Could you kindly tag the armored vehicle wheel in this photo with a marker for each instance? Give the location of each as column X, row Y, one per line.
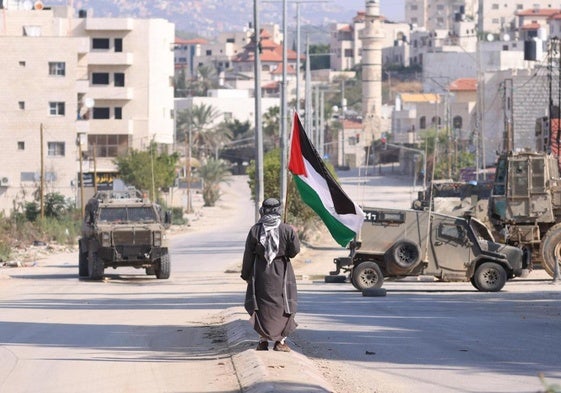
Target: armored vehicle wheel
column 83, row 264
column 163, row 268
column 489, row 277
column 353, row 282
column 404, row 254
column 95, row 267
column 367, row 275
column 550, row 249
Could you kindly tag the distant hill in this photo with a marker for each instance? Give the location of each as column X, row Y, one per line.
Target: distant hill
column 210, row 17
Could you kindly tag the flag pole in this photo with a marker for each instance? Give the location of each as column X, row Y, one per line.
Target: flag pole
column 289, row 150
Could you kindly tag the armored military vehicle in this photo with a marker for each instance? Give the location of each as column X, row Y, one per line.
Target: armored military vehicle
column 399, row 243
column 122, row 228
column 525, row 206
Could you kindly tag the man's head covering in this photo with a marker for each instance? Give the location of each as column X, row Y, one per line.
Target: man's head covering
column 269, row 232
column 270, row 206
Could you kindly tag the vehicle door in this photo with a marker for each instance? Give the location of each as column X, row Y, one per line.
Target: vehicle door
column 452, row 247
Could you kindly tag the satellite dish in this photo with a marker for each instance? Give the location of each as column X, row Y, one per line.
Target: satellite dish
column 89, row 102
column 27, row 5
column 490, row 37
column 506, row 37
column 38, row 5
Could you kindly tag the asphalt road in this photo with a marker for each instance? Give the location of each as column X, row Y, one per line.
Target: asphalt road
column 133, row 333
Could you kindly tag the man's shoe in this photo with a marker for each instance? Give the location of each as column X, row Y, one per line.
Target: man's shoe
column 281, row 347
column 262, row 346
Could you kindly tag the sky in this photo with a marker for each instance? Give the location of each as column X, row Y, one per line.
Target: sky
column 393, row 9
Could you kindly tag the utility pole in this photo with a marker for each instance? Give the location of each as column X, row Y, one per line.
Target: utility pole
column 259, row 191
column 42, row 187
column 284, row 112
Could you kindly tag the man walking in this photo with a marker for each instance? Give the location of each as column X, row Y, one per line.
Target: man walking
column 271, row 296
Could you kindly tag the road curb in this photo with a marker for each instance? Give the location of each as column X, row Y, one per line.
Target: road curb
column 268, row 371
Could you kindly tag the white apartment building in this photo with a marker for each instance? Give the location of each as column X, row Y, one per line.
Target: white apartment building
column 107, row 82
column 439, row 14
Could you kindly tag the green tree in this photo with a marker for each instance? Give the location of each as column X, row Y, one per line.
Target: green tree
column 147, row 170
column 271, row 128
column 297, row 212
column 321, row 58
column 213, row 173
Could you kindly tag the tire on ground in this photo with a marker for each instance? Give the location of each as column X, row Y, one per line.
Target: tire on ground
column 374, row 292
column 335, row 279
column 367, row 275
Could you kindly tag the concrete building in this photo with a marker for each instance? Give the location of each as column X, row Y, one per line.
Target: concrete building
column 346, row 45
column 107, row 82
column 414, row 114
column 439, row 14
column 229, row 103
column 185, row 53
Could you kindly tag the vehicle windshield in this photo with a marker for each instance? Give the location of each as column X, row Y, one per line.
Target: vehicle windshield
column 481, row 230
column 127, row 214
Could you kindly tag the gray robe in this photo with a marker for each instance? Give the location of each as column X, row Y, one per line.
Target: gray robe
column 271, row 297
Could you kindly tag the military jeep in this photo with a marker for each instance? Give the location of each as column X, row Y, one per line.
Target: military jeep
column 400, row 243
column 122, row 228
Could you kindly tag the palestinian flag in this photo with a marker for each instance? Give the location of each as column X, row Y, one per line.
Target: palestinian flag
column 319, row 190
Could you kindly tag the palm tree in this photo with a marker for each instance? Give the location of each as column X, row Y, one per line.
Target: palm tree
column 213, row 173
column 271, row 127
column 197, row 122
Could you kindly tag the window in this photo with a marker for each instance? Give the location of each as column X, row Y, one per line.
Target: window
column 458, row 121
column 22, row 63
column 118, row 112
column 423, row 123
column 227, row 116
column 55, row 149
column 209, row 52
column 494, row 6
column 348, row 53
column 56, row 108
column 118, row 44
column 109, row 145
column 21, row 145
column 100, row 43
column 100, row 78
column 119, row 79
column 21, row 105
column 57, row 68
column 100, row 113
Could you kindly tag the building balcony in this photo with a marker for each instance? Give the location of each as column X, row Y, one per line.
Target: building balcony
column 111, row 127
column 109, row 24
column 83, row 45
column 110, row 93
column 110, row 58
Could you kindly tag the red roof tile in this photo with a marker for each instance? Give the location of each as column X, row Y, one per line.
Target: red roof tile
column 464, row 84
column 539, row 12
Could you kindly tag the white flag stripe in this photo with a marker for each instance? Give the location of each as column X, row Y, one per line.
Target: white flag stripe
column 318, row 184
